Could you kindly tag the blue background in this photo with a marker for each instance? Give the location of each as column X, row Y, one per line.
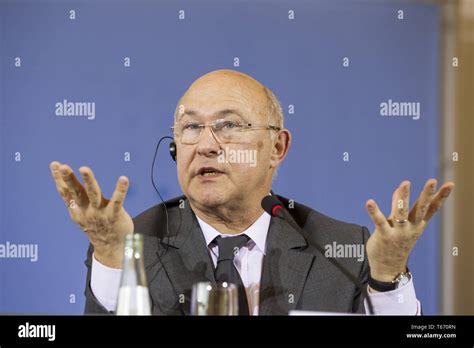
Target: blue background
column 336, row 110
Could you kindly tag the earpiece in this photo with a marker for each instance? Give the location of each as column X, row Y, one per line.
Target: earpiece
column 165, row 249
column 173, row 150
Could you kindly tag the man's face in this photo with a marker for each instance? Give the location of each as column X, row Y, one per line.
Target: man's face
column 211, row 172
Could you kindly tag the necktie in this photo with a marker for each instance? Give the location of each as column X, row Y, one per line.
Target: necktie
column 225, row 269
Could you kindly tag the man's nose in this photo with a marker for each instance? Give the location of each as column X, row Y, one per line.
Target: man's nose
column 208, row 145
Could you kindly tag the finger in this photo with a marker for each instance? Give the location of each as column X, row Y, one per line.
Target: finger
column 93, row 190
column 439, row 199
column 403, row 200
column 420, row 208
column 394, row 204
column 119, row 194
column 376, row 215
column 77, row 191
column 60, row 185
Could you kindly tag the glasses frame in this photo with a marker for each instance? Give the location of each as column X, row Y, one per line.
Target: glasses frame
column 244, row 126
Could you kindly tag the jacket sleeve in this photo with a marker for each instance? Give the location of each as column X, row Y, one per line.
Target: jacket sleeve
column 358, row 304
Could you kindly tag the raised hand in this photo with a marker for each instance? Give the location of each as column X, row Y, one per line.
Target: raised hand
column 394, row 237
column 105, row 221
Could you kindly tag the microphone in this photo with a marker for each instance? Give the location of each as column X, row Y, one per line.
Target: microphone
column 273, row 206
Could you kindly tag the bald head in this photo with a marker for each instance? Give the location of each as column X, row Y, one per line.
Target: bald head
column 231, row 85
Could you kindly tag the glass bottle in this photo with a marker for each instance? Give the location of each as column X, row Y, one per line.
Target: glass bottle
column 133, row 297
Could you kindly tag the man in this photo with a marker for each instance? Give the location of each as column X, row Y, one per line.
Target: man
column 221, row 112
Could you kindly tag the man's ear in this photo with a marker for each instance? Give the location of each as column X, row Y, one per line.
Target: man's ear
column 281, row 145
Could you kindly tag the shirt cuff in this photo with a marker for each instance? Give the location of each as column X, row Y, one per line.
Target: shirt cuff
column 401, row 301
column 105, row 284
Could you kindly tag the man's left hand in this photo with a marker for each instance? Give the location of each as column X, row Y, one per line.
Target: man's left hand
column 394, row 237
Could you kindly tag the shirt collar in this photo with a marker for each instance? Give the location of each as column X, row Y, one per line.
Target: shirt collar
column 257, row 232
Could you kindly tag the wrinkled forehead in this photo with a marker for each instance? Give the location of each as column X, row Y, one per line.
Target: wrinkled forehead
column 220, row 95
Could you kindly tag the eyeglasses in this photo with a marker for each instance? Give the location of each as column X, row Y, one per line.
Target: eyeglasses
column 225, row 131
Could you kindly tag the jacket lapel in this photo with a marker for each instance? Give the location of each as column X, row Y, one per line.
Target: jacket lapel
column 184, row 256
column 285, row 269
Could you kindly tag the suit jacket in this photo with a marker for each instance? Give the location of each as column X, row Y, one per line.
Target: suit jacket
column 294, row 275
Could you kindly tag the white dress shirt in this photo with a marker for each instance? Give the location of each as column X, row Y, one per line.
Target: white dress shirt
column 248, row 260
column 105, row 281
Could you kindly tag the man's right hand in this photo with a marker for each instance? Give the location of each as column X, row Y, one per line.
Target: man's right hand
column 105, row 221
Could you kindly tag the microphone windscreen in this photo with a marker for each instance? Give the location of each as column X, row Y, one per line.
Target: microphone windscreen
column 269, row 202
